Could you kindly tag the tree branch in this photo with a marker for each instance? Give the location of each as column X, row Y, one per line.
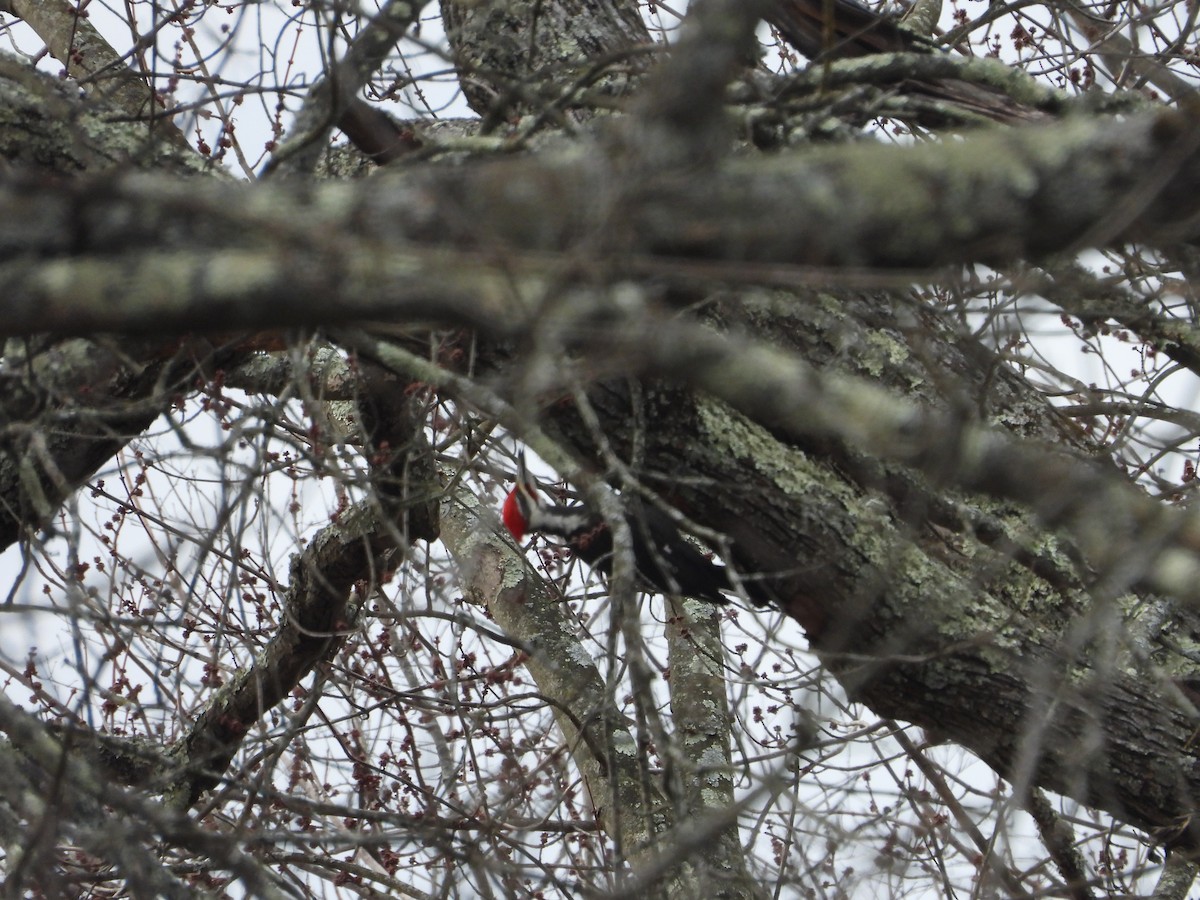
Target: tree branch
column 994, row 197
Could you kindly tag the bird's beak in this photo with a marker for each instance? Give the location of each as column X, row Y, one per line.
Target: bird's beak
column 525, row 484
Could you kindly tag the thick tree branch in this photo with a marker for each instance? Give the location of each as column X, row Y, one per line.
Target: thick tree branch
column 1113, row 522
column 894, row 68
column 320, row 607
column 994, row 197
column 703, row 724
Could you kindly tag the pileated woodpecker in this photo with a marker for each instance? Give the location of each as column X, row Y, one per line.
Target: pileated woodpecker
column 666, row 563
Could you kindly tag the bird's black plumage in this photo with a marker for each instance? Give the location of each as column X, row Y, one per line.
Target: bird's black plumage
column 666, row 562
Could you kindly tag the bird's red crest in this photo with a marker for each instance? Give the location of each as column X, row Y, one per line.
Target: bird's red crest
column 514, row 521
